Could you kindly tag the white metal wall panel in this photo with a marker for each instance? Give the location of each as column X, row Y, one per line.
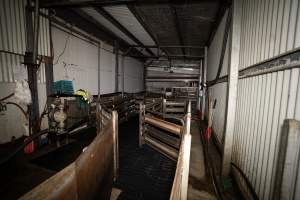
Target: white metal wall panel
column 123, row 15
column 13, row 39
column 263, row 103
column 269, row 28
column 218, row 92
column 44, row 35
column 214, row 52
column 12, row 30
column 134, row 75
column 81, row 58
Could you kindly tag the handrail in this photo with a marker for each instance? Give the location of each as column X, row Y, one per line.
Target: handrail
column 180, row 183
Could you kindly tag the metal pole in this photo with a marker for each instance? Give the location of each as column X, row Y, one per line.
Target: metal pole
column 30, row 60
column 165, row 125
column 116, row 143
column 232, row 88
column 99, row 71
column 204, row 68
column 117, row 67
column 123, row 75
column 199, row 85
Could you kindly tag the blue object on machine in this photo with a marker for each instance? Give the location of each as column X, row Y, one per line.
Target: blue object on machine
column 63, row 87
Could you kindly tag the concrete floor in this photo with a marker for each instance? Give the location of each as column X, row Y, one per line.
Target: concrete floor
column 199, row 184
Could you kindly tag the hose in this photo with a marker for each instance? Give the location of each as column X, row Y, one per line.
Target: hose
column 4, row 98
column 252, row 191
column 34, row 136
column 210, row 169
column 18, row 106
column 19, row 148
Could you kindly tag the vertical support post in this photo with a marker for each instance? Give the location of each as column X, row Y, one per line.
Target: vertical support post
column 141, row 124
column 186, row 153
column 288, row 163
column 99, row 71
column 123, row 75
column 117, row 67
column 98, row 103
column 30, row 60
column 164, row 108
column 116, row 143
column 204, row 69
column 199, row 85
column 232, row 87
column 49, row 75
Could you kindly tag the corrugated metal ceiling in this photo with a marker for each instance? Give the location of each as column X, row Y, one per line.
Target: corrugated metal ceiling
column 123, row 15
column 195, row 22
column 93, row 13
column 163, row 23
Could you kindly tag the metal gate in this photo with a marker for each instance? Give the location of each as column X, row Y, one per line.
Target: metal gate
column 169, row 136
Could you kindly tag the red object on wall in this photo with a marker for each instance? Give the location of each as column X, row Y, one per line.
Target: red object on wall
column 207, row 133
column 29, row 148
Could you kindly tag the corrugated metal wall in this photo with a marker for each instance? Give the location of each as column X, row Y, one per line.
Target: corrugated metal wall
column 269, row 28
column 77, row 60
column 218, row 91
column 13, row 47
column 13, row 39
column 263, row 103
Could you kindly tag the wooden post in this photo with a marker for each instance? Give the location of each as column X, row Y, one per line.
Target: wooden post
column 116, row 143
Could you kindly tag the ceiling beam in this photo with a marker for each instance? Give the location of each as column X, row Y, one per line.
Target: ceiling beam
column 112, row 20
column 101, row 3
column 173, row 57
column 177, row 26
column 86, row 23
column 145, row 26
column 171, row 46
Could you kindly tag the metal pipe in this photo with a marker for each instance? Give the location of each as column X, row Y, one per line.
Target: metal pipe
column 200, row 91
column 117, row 67
column 123, row 75
column 167, row 126
column 164, row 149
column 173, row 103
column 116, row 143
column 36, row 31
column 99, row 70
column 204, row 69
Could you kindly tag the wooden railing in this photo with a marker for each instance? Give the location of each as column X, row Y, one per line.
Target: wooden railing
column 91, row 175
column 180, row 182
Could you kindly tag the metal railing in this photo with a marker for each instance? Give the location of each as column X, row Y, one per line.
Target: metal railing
column 170, row 139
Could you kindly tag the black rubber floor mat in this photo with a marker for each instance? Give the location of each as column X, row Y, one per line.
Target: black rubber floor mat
column 144, row 173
